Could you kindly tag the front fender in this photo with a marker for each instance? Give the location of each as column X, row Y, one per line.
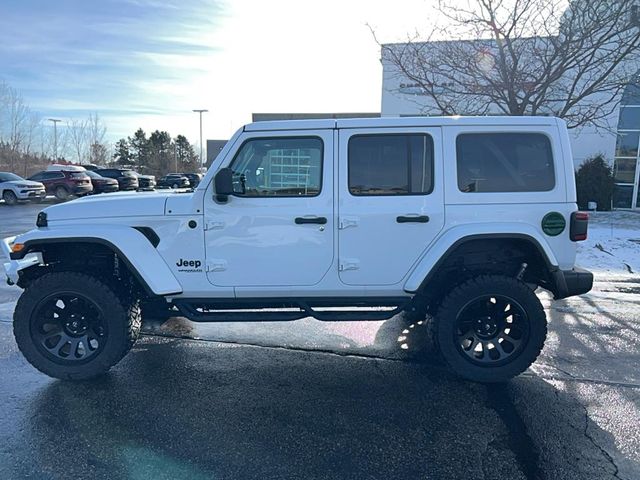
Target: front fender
column 132, row 247
column 456, row 235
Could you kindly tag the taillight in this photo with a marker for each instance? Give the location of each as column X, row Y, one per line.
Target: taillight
column 579, row 226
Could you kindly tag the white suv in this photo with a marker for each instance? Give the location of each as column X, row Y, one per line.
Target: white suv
column 14, row 188
column 457, row 220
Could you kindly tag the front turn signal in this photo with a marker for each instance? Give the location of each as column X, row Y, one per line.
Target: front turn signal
column 17, row 247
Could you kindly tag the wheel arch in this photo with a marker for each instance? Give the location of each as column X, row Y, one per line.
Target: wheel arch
column 131, row 246
column 499, row 248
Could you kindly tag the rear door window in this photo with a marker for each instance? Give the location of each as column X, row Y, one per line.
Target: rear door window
column 390, row 164
column 504, row 162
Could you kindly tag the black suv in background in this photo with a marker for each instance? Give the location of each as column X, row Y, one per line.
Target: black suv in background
column 174, row 180
column 146, row 182
column 127, row 179
column 194, row 178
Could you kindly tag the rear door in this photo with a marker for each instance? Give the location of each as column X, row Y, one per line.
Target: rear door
column 391, row 201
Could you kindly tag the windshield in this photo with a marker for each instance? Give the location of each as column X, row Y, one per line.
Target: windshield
column 9, row 177
column 128, row 173
column 91, row 174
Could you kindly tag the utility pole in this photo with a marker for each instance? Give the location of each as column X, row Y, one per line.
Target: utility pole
column 201, row 111
column 55, row 138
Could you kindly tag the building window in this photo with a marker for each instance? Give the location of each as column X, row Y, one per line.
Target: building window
column 279, row 167
column 624, row 170
column 390, row 164
column 504, row 162
column 623, row 196
column 626, row 192
column 627, row 144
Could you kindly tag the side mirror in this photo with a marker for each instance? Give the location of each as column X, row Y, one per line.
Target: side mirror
column 223, row 183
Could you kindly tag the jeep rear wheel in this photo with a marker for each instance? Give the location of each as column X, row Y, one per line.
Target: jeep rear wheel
column 73, row 326
column 490, row 328
column 9, row 197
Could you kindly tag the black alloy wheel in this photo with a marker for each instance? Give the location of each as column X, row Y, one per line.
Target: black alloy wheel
column 491, row 329
column 68, row 328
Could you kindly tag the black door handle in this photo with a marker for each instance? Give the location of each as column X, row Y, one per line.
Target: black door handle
column 304, row 220
column 412, row 219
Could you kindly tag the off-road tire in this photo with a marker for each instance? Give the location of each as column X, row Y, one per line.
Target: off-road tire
column 123, row 322
column 62, row 193
column 463, row 295
column 9, row 197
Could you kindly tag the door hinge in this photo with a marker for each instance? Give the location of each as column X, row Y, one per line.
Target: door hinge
column 213, row 225
column 216, row 265
column 346, row 222
column 349, row 264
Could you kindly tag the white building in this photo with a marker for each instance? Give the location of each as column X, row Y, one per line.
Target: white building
column 619, row 144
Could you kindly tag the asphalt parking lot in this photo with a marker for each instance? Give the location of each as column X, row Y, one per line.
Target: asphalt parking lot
column 329, row 400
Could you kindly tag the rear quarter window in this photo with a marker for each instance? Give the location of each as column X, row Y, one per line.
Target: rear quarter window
column 504, row 162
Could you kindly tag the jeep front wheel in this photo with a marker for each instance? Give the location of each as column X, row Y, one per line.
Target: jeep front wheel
column 490, row 328
column 73, row 326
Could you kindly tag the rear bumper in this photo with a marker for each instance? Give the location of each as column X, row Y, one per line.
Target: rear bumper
column 572, row 282
column 82, row 189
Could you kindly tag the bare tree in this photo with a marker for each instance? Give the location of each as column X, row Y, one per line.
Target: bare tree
column 96, row 131
column 522, row 57
column 77, row 132
column 17, row 115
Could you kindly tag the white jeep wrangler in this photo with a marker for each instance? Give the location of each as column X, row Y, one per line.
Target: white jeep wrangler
column 454, row 219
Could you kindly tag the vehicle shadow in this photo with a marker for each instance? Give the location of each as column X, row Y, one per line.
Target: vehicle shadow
column 188, row 409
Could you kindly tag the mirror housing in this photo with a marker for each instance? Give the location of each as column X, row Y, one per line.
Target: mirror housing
column 223, row 184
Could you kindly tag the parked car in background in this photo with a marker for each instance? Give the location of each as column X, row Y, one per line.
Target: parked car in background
column 102, row 184
column 174, row 180
column 127, row 179
column 194, row 179
column 146, row 182
column 63, row 183
column 14, row 188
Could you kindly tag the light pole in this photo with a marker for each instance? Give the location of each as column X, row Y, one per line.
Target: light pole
column 201, row 111
column 55, row 138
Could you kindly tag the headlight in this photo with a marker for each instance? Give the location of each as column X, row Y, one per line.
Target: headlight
column 22, row 185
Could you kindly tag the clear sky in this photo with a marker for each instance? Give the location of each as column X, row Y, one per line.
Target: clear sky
column 148, row 63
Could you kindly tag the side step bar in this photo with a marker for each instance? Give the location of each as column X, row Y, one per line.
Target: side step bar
column 288, row 310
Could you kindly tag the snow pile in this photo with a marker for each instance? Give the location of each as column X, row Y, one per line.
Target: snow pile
column 613, row 244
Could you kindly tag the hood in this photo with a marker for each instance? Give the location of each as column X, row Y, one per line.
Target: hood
column 121, row 204
column 29, row 183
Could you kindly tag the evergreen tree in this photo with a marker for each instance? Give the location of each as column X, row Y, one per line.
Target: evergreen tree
column 139, row 148
column 160, row 158
column 123, row 154
column 186, row 155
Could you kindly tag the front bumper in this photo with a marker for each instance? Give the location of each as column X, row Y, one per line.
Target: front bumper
column 13, row 267
column 28, row 194
column 572, row 282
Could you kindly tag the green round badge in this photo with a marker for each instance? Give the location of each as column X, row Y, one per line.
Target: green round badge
column 553, row 224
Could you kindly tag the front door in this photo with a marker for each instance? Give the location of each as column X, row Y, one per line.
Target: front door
column 391, row 201
column 277, row 229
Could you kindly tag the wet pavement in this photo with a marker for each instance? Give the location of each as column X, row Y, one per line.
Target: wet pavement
column 329, row 400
